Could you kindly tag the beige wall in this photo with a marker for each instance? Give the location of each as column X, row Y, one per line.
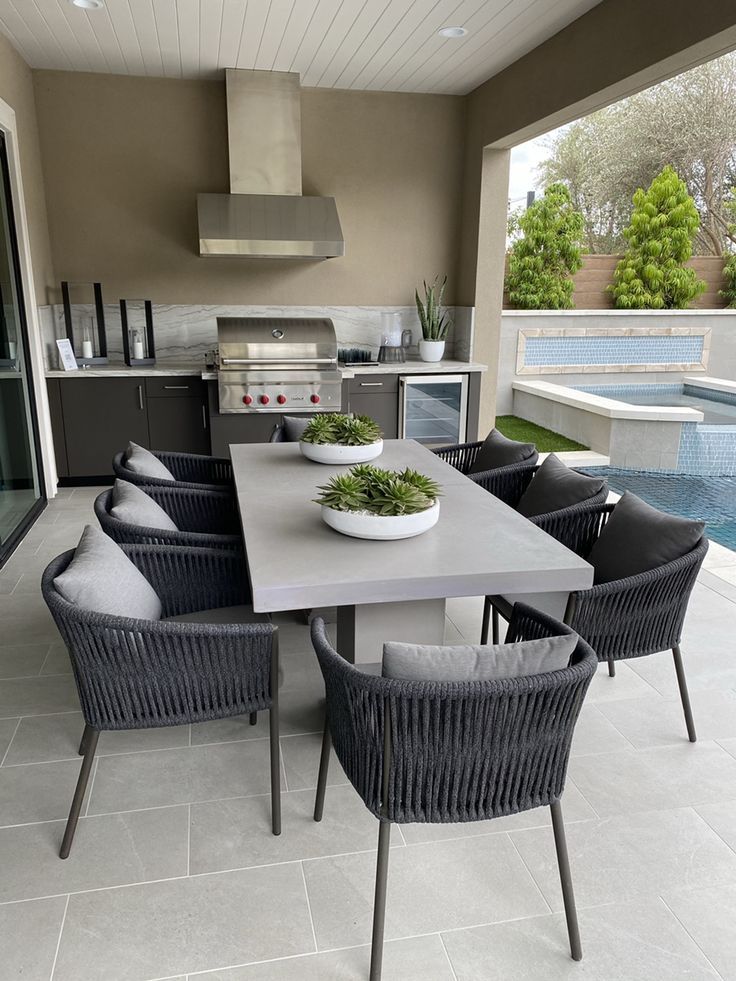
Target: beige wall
column 125, row 157
column 16, row 88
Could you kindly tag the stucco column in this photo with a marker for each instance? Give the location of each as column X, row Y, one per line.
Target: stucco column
column 490, row 275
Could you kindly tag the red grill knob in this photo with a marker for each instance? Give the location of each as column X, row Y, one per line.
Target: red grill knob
column 264, row 400
column 247, row 399
column 281, row 399
column 314, row 398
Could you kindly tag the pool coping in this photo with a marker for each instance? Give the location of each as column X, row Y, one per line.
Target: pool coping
column 611, row 408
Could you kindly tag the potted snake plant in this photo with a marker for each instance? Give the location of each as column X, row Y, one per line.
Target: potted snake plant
column 434, row 319
column 383, row 505
column 332, row 437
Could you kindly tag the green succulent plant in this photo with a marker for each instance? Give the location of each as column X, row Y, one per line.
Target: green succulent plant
column 376, row 491
column 336, row 428
column 434, row 319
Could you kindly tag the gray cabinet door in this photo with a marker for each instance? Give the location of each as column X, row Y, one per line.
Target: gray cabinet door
column 178, row 424
column 381, row 406
column 101, row 416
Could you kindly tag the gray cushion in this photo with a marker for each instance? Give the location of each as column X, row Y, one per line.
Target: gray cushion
column 142, row 461
column 294, row 427
column 133, row 506
column 638, row 537
column 102, row 578
column 555, row 486
column 223, row 614
column 497, row 451
column 419, row 662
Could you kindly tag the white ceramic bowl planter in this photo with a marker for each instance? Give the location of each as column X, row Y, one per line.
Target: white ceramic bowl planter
column 339, row 453
column 381, row 527
column 431, row 350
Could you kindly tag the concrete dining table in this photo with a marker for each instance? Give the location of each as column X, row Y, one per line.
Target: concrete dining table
column 386, row 590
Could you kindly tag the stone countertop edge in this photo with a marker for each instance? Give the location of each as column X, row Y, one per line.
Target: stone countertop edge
column 404, row 368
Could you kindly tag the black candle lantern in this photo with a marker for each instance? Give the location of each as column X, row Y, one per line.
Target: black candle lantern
column 138, row 344
column 91, row 347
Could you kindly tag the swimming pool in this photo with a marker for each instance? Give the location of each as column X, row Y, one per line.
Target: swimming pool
column 709, row 499
column 718, row 408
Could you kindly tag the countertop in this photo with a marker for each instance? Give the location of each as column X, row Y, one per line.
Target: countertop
column 411, row 367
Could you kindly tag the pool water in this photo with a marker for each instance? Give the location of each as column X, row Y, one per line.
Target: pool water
column 709, row 499
column 718, row 409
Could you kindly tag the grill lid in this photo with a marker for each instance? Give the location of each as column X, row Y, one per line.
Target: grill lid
column 290, row 343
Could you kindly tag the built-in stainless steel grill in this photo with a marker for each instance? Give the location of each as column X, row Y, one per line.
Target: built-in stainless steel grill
column 277, row 364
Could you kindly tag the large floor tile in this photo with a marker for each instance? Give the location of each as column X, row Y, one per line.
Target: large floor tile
column 185, row 925
column 630, row 857
column 595, row 734
column 38, row 696
column 626, row 684
column 26, row 620
column 709, row 915
column 233, row 834
column 707, row 653
column 7, row 731
column 575, row 808
column 620, row 943
column 431, row 887
column 37, row 792
column 300, row 710
column 29, row 933
column 655, row 779
column 110, row 850
column 8, row 582
column 180, row 776
column 722, row 818
column 658, row 721
column 57, row 661
column 416, row 959
column 300, row 755
column 20, row 662
column 43, row 738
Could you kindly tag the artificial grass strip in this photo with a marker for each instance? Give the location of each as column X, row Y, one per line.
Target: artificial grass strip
column 545, row 440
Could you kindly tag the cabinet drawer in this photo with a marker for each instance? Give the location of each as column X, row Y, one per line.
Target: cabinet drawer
column 175, row 386
column 373, row 384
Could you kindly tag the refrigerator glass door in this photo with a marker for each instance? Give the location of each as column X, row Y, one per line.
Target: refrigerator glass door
column 434, row 408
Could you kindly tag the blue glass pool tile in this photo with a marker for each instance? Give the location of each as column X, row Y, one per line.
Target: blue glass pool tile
column 627, row 349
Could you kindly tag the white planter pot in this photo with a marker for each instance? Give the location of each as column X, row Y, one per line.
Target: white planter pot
column 431, row 350
column 339, row 455
column 379, row 528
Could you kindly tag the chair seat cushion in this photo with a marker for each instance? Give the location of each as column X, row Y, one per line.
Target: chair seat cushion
column 133, row 506
column 556, row 486
column 142, row 461
column 223, row 614
column 498, row 451
column 101, row 577
column 489, row 662
column 638, row 537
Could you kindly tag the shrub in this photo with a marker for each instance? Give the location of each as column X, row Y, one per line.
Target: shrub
column 543, row 260
column 729, row 268
column 664, row 223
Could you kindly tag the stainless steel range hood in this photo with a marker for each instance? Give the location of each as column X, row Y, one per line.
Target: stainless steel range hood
column 265, row 213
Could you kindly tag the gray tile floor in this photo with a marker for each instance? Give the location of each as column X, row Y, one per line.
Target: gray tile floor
column 174, row 873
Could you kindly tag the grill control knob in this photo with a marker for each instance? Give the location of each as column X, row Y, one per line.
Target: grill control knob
column 314, row 398
column 247, row 399
column 264, row 399
column 281, row 399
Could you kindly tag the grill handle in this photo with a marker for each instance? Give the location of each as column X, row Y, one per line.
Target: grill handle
column 296, row 361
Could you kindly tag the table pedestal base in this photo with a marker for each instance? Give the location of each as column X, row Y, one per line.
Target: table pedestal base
column 362, row 630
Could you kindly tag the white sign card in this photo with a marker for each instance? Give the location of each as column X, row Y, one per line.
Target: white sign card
column 66, row 354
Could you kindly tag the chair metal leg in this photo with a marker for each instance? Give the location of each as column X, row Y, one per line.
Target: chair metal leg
column 273, row 726
column 563, row 862
column 253, row 718
column 486, row 620
column 611, row 668
column 83, row 742
column 495, row 631
column 89, row 742
column 379, row 904
column 324, row 765
column 684, row 694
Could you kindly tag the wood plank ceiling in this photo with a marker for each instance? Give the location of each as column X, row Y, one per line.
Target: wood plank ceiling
column 349, row 44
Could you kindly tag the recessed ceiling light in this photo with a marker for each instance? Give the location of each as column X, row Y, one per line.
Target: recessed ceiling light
column 452, row 31
column 88, row 4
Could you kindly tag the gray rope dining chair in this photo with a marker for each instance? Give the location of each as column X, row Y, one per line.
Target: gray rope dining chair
column 507, row 483
column 144, row 674
column 191, row 470
column 627, row 618
column 290, row 429
column 449, row 752
column 204, row 519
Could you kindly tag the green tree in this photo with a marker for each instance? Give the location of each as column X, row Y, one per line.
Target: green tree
column 664, row 223
column 729, row 268
column 543, row 260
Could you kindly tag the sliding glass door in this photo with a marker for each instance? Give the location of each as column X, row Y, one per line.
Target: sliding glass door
column 22, row 493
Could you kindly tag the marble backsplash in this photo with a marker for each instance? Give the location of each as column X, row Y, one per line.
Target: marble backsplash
column 186, row 332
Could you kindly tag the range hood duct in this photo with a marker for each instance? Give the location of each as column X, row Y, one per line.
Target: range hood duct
column 265, row 213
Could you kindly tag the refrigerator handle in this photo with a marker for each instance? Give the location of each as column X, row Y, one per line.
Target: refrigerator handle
column 402, row 413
